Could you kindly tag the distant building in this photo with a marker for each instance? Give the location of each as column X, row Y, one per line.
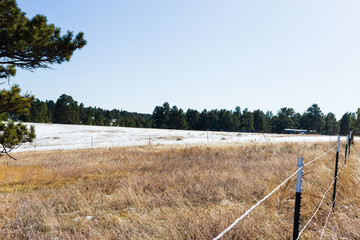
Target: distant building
column 295, row 131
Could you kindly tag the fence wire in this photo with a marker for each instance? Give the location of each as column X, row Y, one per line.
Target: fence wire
column 267, row 196
column 331, row 207
column 322, row 200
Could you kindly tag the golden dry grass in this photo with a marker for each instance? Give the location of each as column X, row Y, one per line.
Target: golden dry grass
column 158, row 192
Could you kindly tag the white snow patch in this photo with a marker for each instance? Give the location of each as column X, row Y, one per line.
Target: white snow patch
column 66, row 136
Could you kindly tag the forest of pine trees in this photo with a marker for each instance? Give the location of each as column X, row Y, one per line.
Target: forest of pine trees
column 67, row 111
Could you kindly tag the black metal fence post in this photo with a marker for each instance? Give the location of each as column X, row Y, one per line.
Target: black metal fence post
column 300, row 165
column 350, row 141
column 346, row 147
column 336, row 170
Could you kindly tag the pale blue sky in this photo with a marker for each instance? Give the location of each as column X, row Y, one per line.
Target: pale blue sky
column 258, row 54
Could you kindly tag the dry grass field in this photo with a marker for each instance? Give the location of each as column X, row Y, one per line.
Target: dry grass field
column 158, row 192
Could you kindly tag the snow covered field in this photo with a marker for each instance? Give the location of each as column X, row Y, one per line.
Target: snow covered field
column 60, row 136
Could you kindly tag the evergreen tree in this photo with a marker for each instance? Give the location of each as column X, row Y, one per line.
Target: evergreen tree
column 117, row 117
column 283, row 120
column 13, row 134
column 140, row 122
column 166, row 108
column 313, row 119
column 88, row 116
column 331, row 125
column 247, row 121
column 120, row 122
column 108, row 118
column 129, row 122
column 237, row 118
column 66, row 110
column 269, row 121
column 39, row 112
column 297, row 118
column 31, row 43
column 28, row 44
column 148, row 123
column 357, row 121
column 352, row 121
column 192, row 118
column 345, row 124
column 51, row 107
column 260, row 124
column 213, row 120
column 226, row 122
column 177, row 119
column 204, row 122
column 158, row 117
column 81, row 110
column 99, row 117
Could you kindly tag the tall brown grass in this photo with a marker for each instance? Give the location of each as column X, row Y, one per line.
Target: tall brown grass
column 157, row 192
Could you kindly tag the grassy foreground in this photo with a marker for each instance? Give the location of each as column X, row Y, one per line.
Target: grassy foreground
column 157, row 192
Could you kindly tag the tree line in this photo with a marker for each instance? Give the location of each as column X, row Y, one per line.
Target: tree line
column 313, row 119
column 67, row 111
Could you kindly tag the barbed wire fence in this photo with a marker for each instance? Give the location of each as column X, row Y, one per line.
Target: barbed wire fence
column 296, row 233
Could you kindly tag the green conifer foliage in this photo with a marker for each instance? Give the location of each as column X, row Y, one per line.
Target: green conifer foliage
column 31, row 43
column 14, row 134
column 27, row 44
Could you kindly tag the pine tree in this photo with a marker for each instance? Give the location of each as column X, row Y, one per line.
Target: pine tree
column 269, row 116
column 357, row 122
column 31, row 43
column 27, row 44
column 345, row 124
column 14, row 134
column 260, row 124
column 247, row 121
column 237, row 118
column 51, row 106
column 66, row 110
column 226, row 122
column 177, row 119
column 108, row 118
column 99, row 117
column 313, row 119
column 38, row 112
column 331, row 125
column 166, row 107
column 89, row 117
column 158, row 117
column 213, row 120
column 130, row 122
column 284, row 119
column 192, row 118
